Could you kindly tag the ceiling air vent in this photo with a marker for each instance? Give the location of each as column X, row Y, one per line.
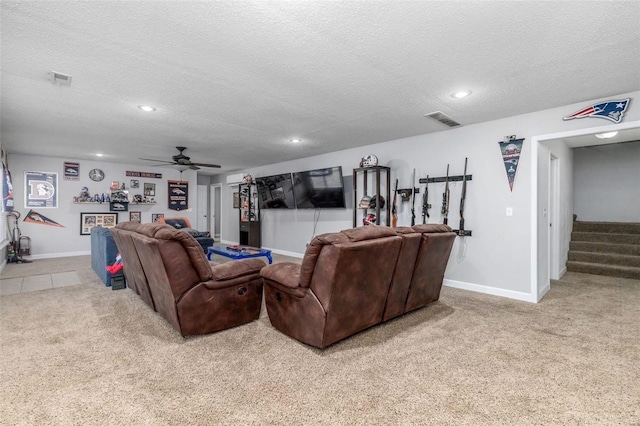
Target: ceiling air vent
column 59, row 78
column 440, row 117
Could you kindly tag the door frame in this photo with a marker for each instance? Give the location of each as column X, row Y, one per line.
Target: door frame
column 539, row 289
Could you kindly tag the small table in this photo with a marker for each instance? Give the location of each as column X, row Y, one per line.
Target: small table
column 239, row 252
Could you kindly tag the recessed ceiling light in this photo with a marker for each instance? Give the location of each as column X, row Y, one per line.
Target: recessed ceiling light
column 606, row 135
column 99, row 154
column 295, row 140
column 146, row 108
column 461, row 94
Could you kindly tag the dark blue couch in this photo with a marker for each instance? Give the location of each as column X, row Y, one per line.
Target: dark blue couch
column 103, row 253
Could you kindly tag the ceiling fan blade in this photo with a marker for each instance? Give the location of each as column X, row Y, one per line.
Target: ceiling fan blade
column 207, row 165
column 194, row 167
column 161, row 161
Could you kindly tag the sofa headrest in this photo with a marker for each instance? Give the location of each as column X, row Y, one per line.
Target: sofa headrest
column 405, row 230
column 370, row 232
column 161, row 231
column 432, row 227
column 314, row 248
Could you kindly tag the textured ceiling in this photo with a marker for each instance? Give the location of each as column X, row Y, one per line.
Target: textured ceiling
column 234, row 80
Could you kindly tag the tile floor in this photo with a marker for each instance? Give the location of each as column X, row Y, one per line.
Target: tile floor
column 38, row 282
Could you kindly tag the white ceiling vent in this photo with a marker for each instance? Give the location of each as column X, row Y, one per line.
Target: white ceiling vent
column 59, row 78
column 438, row 116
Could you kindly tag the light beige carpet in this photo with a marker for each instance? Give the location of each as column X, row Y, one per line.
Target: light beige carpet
column 88, row 355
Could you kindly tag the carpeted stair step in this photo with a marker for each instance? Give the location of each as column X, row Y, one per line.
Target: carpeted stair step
column 605, row 258
column 595, row 247
column 608, row 227
column 602, row 237
column 608, row 270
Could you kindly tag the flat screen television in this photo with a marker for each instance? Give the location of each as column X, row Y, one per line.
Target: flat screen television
column 276, row 192
column 319, row 189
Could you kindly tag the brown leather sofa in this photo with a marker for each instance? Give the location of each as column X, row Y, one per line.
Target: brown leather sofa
column 354, row 279
column 170, row 272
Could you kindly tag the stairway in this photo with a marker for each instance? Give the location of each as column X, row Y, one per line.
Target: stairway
column 605, row 248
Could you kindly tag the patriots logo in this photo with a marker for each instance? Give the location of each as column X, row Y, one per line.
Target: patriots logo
column 611, row 110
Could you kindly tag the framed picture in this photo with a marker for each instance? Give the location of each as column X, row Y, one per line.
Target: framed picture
column 149, row 189
column 156, row 216
column 236, row 200
column 40, row 190
column 92, row 220
column 135, row 183
column 135, row 217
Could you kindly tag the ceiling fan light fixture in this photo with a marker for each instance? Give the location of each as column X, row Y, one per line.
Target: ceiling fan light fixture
column 181, row 167
column 606, row 135
column 146, row 108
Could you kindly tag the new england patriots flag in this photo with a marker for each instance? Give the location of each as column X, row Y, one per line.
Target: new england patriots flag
column 611, row 110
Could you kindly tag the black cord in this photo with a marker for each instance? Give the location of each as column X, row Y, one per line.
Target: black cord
column 315, row 221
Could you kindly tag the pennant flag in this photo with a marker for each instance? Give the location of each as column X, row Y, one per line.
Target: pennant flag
column 511, row 156
column 611, row 110
column 34, row 217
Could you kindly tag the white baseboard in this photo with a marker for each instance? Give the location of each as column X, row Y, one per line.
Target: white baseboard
column 543, row 291
column 54, row 255
column 4, row 263
column 517, row 295
column 563, row 271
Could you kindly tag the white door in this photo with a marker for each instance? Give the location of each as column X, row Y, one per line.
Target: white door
column 214, row 210
column 554, row 221
column 203, row 201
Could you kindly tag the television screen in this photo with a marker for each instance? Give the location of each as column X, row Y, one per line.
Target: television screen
column 275, row 192
column 318, row 189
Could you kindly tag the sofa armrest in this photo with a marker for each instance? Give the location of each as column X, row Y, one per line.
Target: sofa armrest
column 229, row 271
column 286, row 274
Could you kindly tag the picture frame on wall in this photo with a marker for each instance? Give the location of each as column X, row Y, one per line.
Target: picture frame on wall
column 89, row 221
column 134, row 183
column 135, row 217
column 149, row 189
column 156, row 216
column 236, row 200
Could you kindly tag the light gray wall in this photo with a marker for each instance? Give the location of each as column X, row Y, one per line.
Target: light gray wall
column 497, row 259
column 49, row 241
column 607, row 182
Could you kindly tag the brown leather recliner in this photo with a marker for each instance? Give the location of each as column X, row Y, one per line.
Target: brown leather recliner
column 190, row 293
column 339, row 289
column 353, row 279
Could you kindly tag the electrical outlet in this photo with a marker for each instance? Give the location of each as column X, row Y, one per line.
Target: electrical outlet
column 509, row 211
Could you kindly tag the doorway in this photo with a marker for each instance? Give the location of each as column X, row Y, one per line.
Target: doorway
column 545, row 263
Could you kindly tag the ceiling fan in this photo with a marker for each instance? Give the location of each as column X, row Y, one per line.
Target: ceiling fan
column 181, row 161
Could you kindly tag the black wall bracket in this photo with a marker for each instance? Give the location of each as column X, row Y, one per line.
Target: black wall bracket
column 458, row 178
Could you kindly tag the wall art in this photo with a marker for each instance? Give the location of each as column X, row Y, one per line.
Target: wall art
column 41, row 190
column 135, row 217
column 71, row 171
column 149, row 189
column 510, row 150
column 93, row 220
column 610, row 110
column 178, row 194
column 34, row 217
